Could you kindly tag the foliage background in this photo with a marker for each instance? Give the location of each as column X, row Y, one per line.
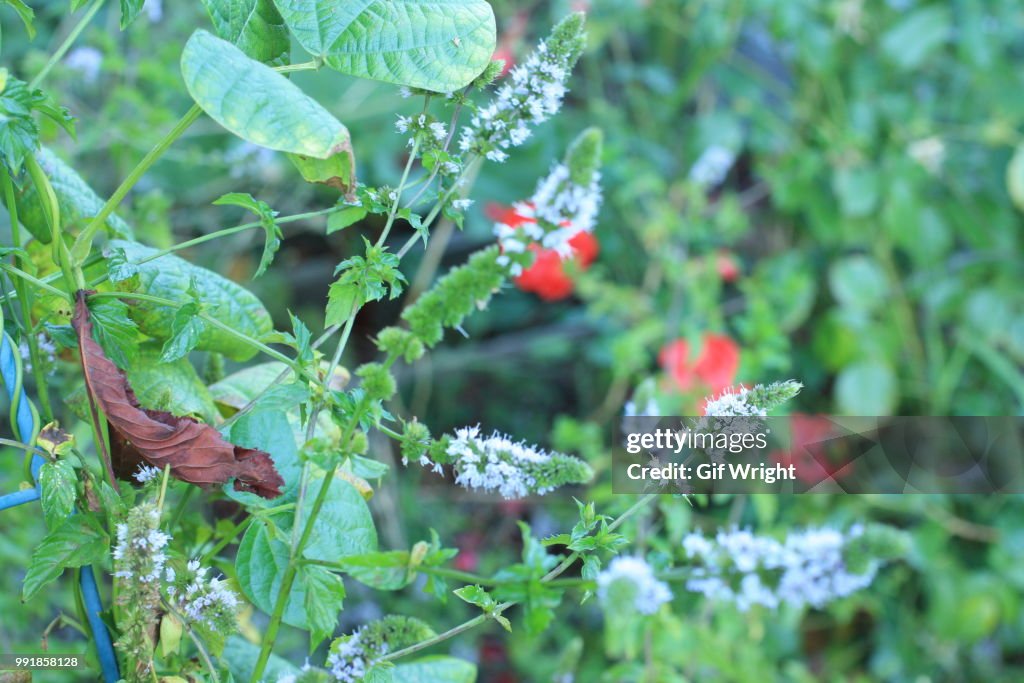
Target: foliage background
column 871, row 209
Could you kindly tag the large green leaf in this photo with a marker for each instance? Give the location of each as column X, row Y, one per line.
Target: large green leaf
column 78, row 541
column 435, row 670
column 438, row 45
column 77, row 201
column 174, row 387
column 344, row 527
column 57, row 480
column 256, row 103
column 255, row 26
column 170, row 277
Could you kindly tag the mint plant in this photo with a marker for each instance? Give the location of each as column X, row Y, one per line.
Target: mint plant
column 288, row 441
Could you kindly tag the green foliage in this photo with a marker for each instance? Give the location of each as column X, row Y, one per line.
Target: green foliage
column 256, row 103
column 362, row 279
column 19, row 132
column 272, row 241
column 58, row 482
column 253, row 26
column 424, row 44
column 78, row 541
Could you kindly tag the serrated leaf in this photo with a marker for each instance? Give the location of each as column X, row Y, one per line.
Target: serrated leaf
column 256, row 103
column 344, row 527
column 77, row 201
column 439, row 45
column 325, row 595
column 76, row 542
column 272, row 241
column 254, row 26
column 57, row 481
column 171, row 277
column 438, row 669
column 114, row 330
column 129, row 11
column 19, row 134
column 26, row 14
column 186, row 331
column 174, row 387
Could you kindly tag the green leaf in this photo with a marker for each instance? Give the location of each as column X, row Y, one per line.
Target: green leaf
column 77, row 201
column 387, row 571
column 241, row 655
column 254, row 26
column 174, row 387
column 76, row 542
column 866, row 389
column 346, row 217
column 129, row 11
column 325, row 595
column 268, row 429
column 910, row 41
column 266, row 215
column 172, row 278
column 438, row 669
column 256, row 103
column 114, row 330
column 343, row 528
column 338, row 172
column 57, row 480
column 186, row 331
column 19, row 134
column 26, row 14
column 439, row 45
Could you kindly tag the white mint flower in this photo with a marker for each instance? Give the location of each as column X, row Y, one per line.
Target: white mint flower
column 734, row 403
column 808, row 568
column 462, row 204
column 532, row 94
column 139, row 551
column 512, row 469
column 200, row 600
column 348, row 661
column 147, row 473
column 712, row 166
column 635, row 578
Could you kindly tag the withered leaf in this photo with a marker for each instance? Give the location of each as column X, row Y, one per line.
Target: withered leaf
column 196, row 452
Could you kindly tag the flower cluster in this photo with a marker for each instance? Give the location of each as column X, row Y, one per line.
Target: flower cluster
column 758, row 401
column 147, row 473
column 139, row 551
column 496, row 463
column 809, row 567
column 533, row 95
column 631, row 580
column 714, row 368
column 208, row 602
column 352, row 657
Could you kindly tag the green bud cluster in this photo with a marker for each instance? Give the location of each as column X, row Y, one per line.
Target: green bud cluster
column 455, row 296
column 400, row 343
column 378, row 382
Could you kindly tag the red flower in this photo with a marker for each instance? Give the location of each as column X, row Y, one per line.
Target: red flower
column 547, row 277
column 715, row 367
column 809, row 450
column 727, row 265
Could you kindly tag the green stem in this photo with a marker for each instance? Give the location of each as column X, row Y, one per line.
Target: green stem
column 31, row 279
column 83, row 244
column 398, row 194
column 548, row 578
column 203, row 654
column 66, row 44
column 227, row 540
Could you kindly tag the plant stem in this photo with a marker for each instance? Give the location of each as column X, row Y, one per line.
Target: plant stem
column 65, row 45
column 203, row 654
column 548, row 578
column 83, row 243
column 18, row 272
column 398, row 194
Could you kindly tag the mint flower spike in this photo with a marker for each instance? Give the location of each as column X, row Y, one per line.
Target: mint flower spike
column 496, row 463
column 756, row 402
column 631, row 579
column 200, row 600
column 565, row 203
column 532, row 95
column 810, row 567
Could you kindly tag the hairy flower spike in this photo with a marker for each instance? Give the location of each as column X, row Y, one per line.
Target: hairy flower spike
column 397, row 342
column 378, row 383
column 632, row 580
column 811, row 567
column 533, row 94
column 455, row 296
column 351, row 657
column 513, row 469
column 204, row 602
column 753, row 402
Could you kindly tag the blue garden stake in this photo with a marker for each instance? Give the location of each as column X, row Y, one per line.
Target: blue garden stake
column 25, row 423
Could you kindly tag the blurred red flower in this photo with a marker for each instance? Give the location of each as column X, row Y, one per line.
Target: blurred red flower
column 547, row 277
column 727, row 265
column 715, row 367
column 808, row 451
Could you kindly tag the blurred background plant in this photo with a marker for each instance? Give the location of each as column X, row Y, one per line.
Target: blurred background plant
column 824, row 190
